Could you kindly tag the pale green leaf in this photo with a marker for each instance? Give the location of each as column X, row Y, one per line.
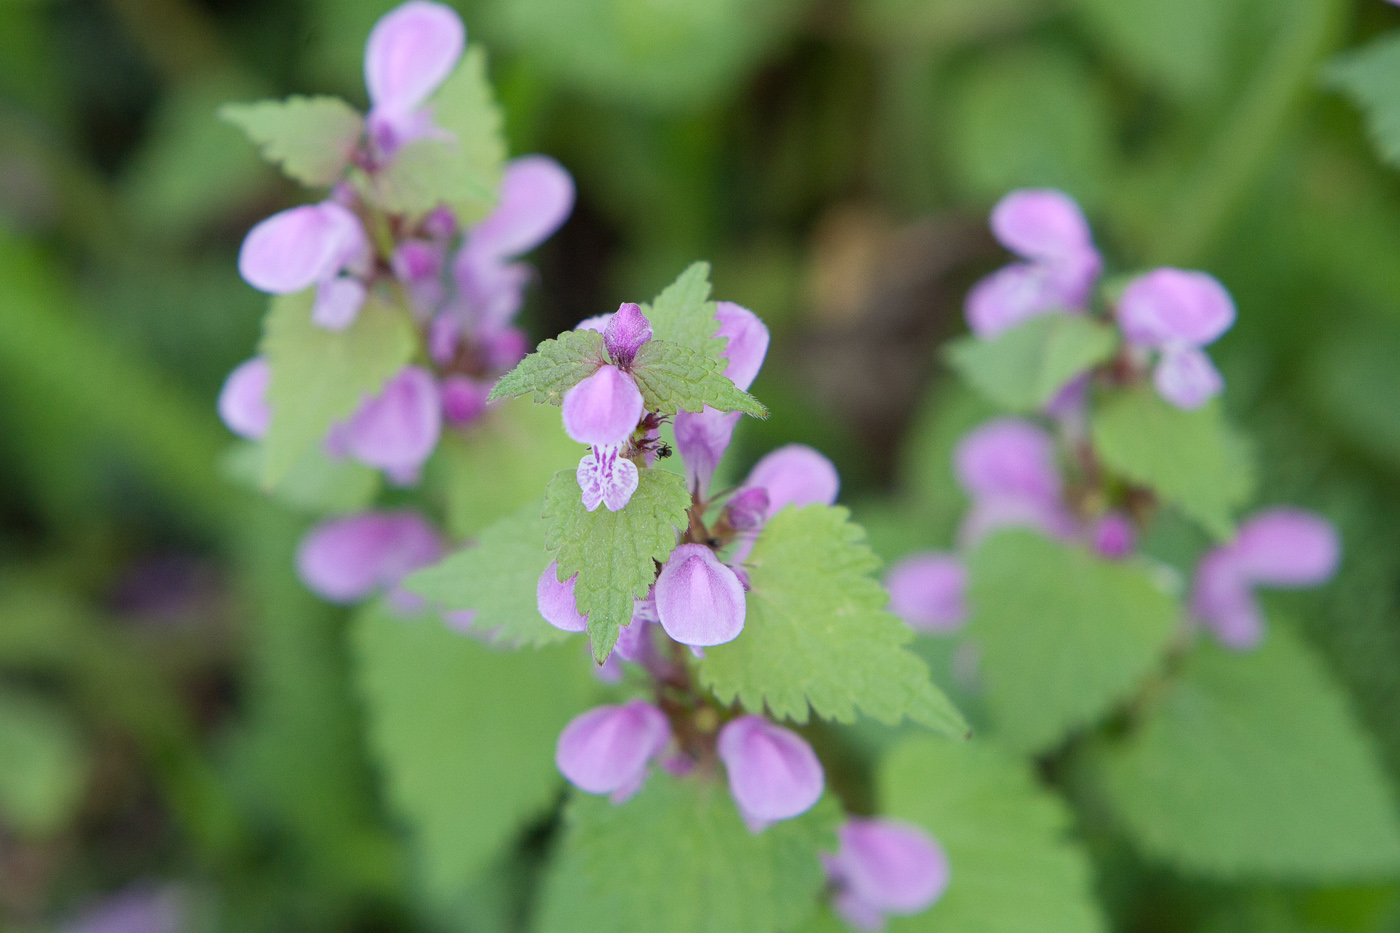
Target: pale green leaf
column 496, row 578
column 1193, row 459
column 614, row 553
column 676, row 378
column 1023, row 368
column 464, row 735
column 1013, row 865
column 1252, row 766
column 1370, row 76
column 555, row 367
column 817, row 632
column 311, row 138
column 43, row 766
column 463, row 172
column 317, row 484
column 683, row 313
column 1062, row 635
column 677, row 857
column 320, row 376
column 1182, row 46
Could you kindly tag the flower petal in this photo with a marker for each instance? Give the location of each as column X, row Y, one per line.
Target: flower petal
column 699, row 600
column 397, row 430
column 1172, row 306
column 1187, row 378
column 748, row 342
column 607, row 478
column 1008, row 457
column 1041, row 224
column 625, row 333
column 606, row 749
column 555, row 601
column 1223, row 600
column 338, row 302
column 773, row 772
column 1287, row 547
column 347, row 559
column 603, row 410
column 702, row 438
column 296, row 248
column 895, row 867
column 927, row 591
column 410, row 52
column 536, row 197
column 243, row 399
column 795, row 475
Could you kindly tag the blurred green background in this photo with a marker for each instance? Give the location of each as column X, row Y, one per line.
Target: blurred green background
column 173, row 706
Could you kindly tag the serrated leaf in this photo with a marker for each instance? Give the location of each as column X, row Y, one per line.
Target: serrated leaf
column 614, row 553
column 463, row 172
column 1023, row 368
column 817, row 632
column 554, row 368
column 1193, row 459
column 43, row 766
column 1013, row 865
column 502, row 461
column 311, row 138
column 1370, row 76
column 464, row 735
column 684, row 314
column 1253, row 767
column 1062, row 635
column 676, row 378
column 496, row 578
column 677, row 857
column 319, row 376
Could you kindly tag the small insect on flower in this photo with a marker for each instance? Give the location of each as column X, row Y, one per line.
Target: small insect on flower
column 663, row 450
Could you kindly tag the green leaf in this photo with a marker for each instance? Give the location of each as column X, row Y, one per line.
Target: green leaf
column 683, row 313
column 496, row 578
column 316, row 484
column 1193, row 459
column 676, row 378
column 677, row 857
column 319, row 376
column 817, row 632
column 311, row 138
column 614, row 553
column 1062, row 635
column 1253, row 767
column 43, row 766
column 464, row 735
column 555, row 367
column 1014, row 867
column 464, row 172
column 1182, row 46
column 1370, row 76
column 1350, row 377
column 1023, row 368
column 502, row 461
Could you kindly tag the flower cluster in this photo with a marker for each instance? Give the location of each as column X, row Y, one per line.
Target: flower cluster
column 462, row 287
column 1166, row 316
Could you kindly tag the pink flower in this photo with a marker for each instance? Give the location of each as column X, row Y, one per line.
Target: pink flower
column 927, row 591
column 1176, row 313
column 410, row 53
column 604, row 408
column 607, row 478
column 555, row 601
column 885, row 867
column 314, row 244
column 699, row 601
column 1008, row 469
column 243, row 399
column 773, row 772
column 346, row 559
column 607, row 750
column 398, row 429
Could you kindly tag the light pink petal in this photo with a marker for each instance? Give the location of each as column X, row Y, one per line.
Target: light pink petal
column 607, row 478
column 995, row 513
column 702, row 438
column 1169, row 307
column 858, row 914
column 1223, row 600
column 928, row 592
column 747, row 509
column 1187, row 378
column 795, row 475
column 410, row 52
column 606, row 749
column 698, row 599
column 894, row 867
column 1008, row 297
column 536, row 197
column 597, row 324
column 603, row 410
column 555, row 601
column 1008, row 457
column 1114, row 536
column 338, row 302
column 1041, row 224
column 463, row 399
column 625, row 333
column 296, row 248
column 243, row 399
column 1287, row 547
column 491, row 289
column 347, row 559
column 748, row 342
column 773, row 772
column 397, row 430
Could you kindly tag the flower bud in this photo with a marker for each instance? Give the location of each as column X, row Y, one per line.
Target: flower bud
column 927, row 592
column 1186, row 378
column 1114, row 536
column 625, row 333
column 605, row 477
column 463, row 399
column 698, row 599
column 1168, row 307
column 603, row 410
column 347, row 559
column 243, row 399
column 747, row 509
column 398, row 429
column 555, row 601
column 795, row 475
column 773, row 772
column 885, row 867
column 606, row 750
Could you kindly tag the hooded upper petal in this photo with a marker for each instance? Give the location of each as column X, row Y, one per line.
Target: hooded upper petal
column 795, row 475
column 603, row 410
column 928, row 591
column 398, row 429
column 243, row 399
column 555, row 601
column 1186, row 377
column 536, row 197
column 747, row 344
column 347, row 559
column 1173, row 306
column 888, row 866
column 1287, row 547
column 410, row 53
column 1008, row 457
column 699, row 600
column 773, row 772
column 296, row 248
column 607, row 749
column 1041, row 224
column 702, row 438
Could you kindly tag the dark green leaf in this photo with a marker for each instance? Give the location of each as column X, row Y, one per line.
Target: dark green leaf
column 555, row 367
column 676, row 378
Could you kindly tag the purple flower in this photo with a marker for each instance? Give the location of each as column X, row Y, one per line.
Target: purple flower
column 625, row 333
column 463, row 399
column 885, row 867
column 1113, row 536
column 410, row 53
column 927, row 592
column 142, row 908
column 313, row 244
column 1047, row 230
column 606, row 750
column 1176, row 313
column 603, row 410
column 536, row 197
column 773, row 772
column 1281, row 547
column 702, row 437
column 243, row 399
column 699, row 601
column 1007, row 468
column 418, row 264
column 795, row 475
column 397, row 430
column 346, row 559
column 607, row 478
column 747, row 509
column 555, row 601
